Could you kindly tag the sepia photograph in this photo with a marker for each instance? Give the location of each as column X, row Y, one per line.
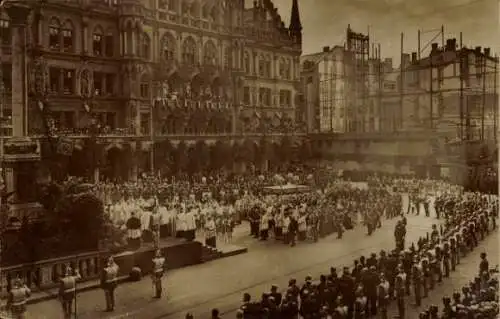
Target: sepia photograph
column 253, row 159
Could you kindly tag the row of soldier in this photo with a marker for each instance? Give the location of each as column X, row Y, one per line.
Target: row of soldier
column 319, row 214
column 369, row 287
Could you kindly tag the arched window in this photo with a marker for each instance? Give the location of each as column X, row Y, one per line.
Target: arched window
column 109, row 44
column 145, row 89
column 228, row 59
column 214, row 14
column 189, row 51
column 145, row 49
column 67, row 34
column 246, row 63
column 168, row 47
column 236, row 57
column 205, row 12
column 55, row 35
column 284, row 68
column 194, row 10
column 262, row 66
column 97, row 41
column 209, row 53
column 185, row 7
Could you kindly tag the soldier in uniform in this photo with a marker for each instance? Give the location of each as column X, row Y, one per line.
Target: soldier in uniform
column 109, row 282
column 158, row 270
column 432, row 270
column 360, row 304
column 314, row 222
column 399, row 287
column 446, row 259
column 18, row 296
column 383, row 296
column 453, row 253
column 340, row 225
column 458, row 239
column 67, row 290
column 417, row 282
column 155, row 224
column 425, row 275
column 438, row 261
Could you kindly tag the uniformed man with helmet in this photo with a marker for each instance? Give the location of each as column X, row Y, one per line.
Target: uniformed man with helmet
column 399, row 288
column 67, row 290
column 417, row 281
column 158, row 270
column 425, row 275
column 18, row 297
column 383, row 296
column 453, row 252
column 446, row 259
column 109, row 281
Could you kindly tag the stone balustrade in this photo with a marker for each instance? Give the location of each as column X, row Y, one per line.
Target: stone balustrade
column 46, row 274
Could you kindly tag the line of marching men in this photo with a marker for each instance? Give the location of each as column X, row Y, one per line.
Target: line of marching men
column 318, row 215
column 368, row 289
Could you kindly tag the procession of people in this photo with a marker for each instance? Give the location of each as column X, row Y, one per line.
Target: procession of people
column 211, row 207
column 374, row 282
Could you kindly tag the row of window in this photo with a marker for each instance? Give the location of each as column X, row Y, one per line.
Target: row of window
column 191, row 8
column 189, row 51
column 265, row 97
column 265, row 67
column 62, row 81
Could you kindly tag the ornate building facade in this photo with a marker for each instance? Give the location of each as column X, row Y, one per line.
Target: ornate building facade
column 132, row 85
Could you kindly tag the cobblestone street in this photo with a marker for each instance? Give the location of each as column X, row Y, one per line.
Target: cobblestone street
column 221, row 283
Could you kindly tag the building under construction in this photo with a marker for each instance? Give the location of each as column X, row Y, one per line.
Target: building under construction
column 338, row 86
column 435, row 115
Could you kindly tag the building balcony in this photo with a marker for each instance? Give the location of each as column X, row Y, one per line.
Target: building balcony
column 85, row 132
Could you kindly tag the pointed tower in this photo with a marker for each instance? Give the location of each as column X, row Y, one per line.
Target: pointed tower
column 295, row 24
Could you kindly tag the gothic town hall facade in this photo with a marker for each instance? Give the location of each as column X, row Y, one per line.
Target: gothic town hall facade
column 119, row 87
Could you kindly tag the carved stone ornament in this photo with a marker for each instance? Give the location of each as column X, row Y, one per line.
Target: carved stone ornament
column 39, row 76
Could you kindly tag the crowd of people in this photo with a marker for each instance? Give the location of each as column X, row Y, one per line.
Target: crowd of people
column 374, row 282
column 478, row 299
column 195, row 208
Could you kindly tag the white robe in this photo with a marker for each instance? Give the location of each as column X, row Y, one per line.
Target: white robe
column 264, row 222
column 190, row 220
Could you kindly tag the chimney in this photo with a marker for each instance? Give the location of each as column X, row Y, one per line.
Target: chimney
column 454, row 44
column 487, row 51
column 478, row 50
column 414, row 57
column 406, row 60
column 326, row 49
column 434, row 47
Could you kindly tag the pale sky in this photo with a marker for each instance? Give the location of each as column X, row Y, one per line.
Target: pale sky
column 325, row 22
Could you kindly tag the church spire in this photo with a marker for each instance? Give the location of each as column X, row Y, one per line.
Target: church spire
column 295, row 24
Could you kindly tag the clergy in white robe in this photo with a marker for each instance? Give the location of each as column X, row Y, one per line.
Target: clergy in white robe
column 190, row 224
column 264, row 226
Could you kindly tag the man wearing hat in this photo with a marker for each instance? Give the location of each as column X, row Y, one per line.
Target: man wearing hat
column 399, row 287
column 383, row 296
column 276, row 294
column 417, row 281
column 18, row 296
column 308, row 286
column 109, row 282
column 484, row 265
column 67, row 290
